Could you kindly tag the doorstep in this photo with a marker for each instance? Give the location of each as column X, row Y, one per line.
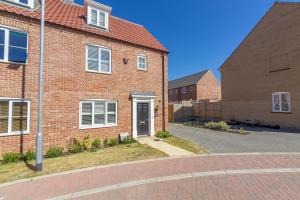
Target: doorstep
column 158, row 144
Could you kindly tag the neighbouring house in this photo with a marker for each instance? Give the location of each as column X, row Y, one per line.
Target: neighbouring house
column 260, row 80
column 199, row 86
column 102, row 75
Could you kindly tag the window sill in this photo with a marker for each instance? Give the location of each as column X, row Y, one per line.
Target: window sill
column 96, row 127
column 13, row 134
column 12, row 63
column 281, row 112
column 143, row 70
column 105, row 73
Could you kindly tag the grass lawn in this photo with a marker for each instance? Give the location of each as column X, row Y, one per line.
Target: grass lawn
column 117, row 154
column 185, row 144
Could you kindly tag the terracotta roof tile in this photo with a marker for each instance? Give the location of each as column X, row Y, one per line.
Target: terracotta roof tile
column 73, row 16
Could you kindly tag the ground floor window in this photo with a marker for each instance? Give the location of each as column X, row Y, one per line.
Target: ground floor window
column 98, row 113
column 14, row 117
column 281, row 102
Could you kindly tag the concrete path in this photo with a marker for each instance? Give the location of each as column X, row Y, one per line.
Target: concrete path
column 171, row 150
column 233, row 176
column 260, row 140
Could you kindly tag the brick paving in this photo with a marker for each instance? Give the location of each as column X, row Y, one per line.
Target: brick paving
column 53, row 186
column 236, row 187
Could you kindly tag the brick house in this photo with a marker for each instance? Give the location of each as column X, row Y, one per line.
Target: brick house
column 102, row 75
column 260, row 80
column 199, row 86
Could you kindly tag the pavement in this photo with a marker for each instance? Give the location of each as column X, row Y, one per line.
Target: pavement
column 168, row 149
column 259, row 139
column 218, row 176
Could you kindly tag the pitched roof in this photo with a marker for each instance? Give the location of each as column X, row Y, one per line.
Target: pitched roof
column 276, row 4
column 187, row 80
column 74, row 16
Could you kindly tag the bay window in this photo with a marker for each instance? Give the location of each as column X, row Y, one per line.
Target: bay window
column 98, row 113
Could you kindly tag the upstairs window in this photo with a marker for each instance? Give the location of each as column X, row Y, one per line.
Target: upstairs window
column 13, row 46
column 281, row 102
column 183, row 90
column 97, row 18
column 142, row 62
column 25, row 3
column 98, row 59
column 170, row 92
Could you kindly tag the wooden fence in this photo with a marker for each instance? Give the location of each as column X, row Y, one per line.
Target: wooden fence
column 203, row 110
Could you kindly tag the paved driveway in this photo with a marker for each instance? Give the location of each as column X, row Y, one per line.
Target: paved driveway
column 260, row 140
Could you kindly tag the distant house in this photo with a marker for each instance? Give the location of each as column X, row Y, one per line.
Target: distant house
column 261, row 79
column 199, row 86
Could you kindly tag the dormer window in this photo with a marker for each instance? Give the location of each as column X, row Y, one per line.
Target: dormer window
column 97, row 17
column 25, row 3
column 97, row 14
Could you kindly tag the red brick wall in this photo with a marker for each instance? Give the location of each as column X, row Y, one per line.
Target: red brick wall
column 177, row 95
column 66, row 83
column 208, row 88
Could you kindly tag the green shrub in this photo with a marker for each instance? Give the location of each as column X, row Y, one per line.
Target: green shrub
column 86, row 143
column 221, row 126
column 54, row 152
column 188, row 123
column 113, row 142
column 97, row 144
column 75, row 146
column 11, row 157
column 106, row 142
column 128, row 140
column 29, row 155
column 163, row 134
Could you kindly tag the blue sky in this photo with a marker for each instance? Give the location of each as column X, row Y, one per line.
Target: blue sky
column 200, row 34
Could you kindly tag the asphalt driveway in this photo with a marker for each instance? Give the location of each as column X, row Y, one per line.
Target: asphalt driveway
column 260, row 140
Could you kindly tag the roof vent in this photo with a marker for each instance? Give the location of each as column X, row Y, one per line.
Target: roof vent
column 68, row 1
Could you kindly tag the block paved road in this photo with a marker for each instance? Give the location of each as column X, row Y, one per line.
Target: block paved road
column 232, row 176
column 260, row 140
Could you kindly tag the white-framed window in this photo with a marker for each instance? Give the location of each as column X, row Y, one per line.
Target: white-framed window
column 98, row 59
column 183, row 90
column 14, row 117
column 25, row 3
column 97, row 17
column 142, row 62
column 281, row 102
column 98, row 113
column 13, row 46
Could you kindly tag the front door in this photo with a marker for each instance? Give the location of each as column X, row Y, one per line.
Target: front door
column 142, row 119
